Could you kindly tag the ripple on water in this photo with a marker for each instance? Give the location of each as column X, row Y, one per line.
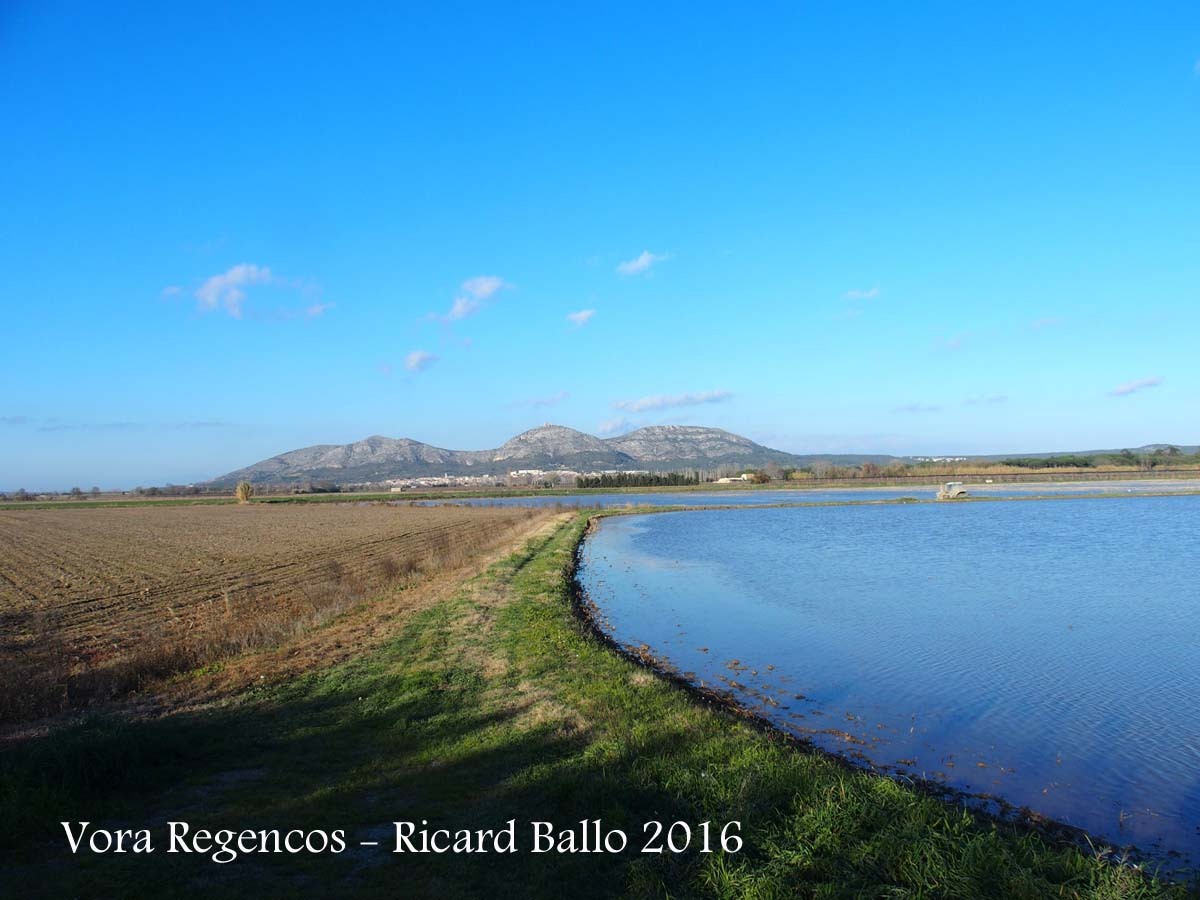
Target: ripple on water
column 1045, row 652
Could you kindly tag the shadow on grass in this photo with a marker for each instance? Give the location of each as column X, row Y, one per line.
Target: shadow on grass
column 390, row 750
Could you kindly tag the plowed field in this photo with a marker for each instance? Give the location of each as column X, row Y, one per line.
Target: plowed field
column 94, row 585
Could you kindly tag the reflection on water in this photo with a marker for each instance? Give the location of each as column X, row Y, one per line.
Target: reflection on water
column 1044, row 653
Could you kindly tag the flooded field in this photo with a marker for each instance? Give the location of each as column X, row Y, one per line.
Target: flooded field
column 762, row 497
column 1043, row 654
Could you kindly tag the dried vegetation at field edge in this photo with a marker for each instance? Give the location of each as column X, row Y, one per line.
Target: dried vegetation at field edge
column 95, row 603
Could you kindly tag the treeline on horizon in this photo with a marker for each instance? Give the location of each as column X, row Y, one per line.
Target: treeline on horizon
column 173, row 490
column 821, row 470
column 637, row 479
column 1145, row 460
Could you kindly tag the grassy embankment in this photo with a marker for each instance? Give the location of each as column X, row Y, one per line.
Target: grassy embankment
column 491, row 705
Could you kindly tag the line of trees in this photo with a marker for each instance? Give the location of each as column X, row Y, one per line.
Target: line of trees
column 1051, row 462
column 637, row 479
column 76, row 493
column 1145, row 460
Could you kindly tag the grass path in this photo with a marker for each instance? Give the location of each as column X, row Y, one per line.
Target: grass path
column 489, row 705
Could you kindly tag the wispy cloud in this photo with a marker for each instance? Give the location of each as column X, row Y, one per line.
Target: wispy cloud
column 641, row 263
column 954, row 342
column 669, row 401
column 989, row 400
column 90, row 426
column 462, row 308
column 476, row 292
column 171, row 290
column 580, row 318
column 1045, row 322
column 483, row 286
column 552, row 400
column 542, row 402
column 868, row 294
column 614, row 426
column 917, row 408
column 317, row 309
column 385, row 369
column 205, row 423
column 1138, row 384
column 419, row 361
column 228, row 289
column 52, row 425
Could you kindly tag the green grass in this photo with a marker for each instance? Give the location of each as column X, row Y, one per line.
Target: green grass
column 494, row 705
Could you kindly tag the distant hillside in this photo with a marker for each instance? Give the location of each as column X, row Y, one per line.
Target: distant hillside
column 656, row 447
column 1186, row 449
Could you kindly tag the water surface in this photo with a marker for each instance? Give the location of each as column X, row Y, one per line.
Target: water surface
column 767, row 497
column 1046, row 653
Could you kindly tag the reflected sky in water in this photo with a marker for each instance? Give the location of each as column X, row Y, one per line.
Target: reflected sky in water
column 1047, row 653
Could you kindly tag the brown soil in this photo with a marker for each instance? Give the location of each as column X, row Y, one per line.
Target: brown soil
column 95, row 602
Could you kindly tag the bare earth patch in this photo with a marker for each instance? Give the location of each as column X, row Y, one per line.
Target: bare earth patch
column 95, row 603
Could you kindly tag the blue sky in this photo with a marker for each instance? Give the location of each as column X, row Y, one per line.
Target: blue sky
column 227, row 232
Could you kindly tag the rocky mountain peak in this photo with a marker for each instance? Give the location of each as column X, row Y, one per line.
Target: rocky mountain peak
column 550, row 441
column 661, row 442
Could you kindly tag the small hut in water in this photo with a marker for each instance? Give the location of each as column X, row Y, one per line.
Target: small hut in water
column 951, row 490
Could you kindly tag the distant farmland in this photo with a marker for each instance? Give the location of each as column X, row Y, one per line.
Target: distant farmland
column 95, row 602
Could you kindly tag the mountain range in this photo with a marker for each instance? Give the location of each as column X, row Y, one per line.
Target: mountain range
column 655, row 447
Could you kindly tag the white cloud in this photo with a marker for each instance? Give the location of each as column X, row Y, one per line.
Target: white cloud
column 580, row 318
column 917, row 408
column 419, row 361
column 228, row 288
column 475, row 292
column 640, row 264
column 664, row 401
column 483, row 286
column 462, row 308
column 317, row 309
column 614, row 426
column 171, row 290
column 868, row 294
column 1138, row 384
